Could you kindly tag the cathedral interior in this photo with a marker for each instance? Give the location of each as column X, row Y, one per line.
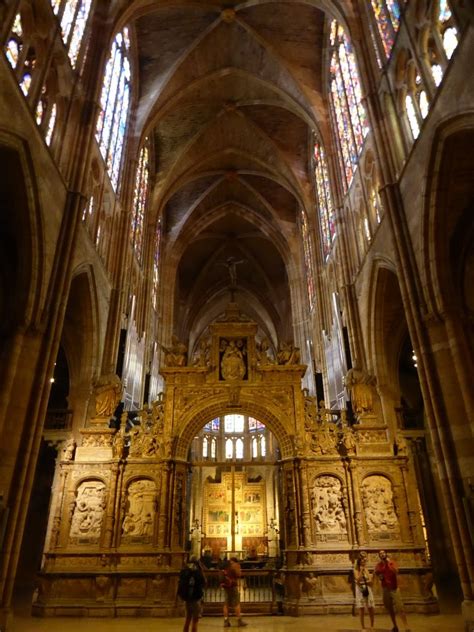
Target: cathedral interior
column 236, row 302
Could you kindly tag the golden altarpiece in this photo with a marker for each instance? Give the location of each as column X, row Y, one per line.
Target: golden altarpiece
column 119, row 521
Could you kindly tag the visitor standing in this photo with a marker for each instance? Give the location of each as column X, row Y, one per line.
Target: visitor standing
column 191, row 584
column 279, row 588
column 387, row 571
column 230, row 583
column 364, row 597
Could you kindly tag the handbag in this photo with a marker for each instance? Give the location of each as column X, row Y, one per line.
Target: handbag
column 365, row 590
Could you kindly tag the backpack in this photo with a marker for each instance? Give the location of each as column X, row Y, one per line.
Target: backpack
column 228, row 581
column 190, row 585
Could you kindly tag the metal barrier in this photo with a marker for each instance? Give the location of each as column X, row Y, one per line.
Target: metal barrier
column 255, row 587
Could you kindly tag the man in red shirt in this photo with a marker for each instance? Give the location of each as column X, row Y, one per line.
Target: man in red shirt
column 387, row 571
column 231, row 575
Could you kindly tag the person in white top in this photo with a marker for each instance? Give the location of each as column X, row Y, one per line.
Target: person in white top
column 363, row 590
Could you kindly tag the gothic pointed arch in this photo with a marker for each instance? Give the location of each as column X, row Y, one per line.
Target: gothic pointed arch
column 447, row 221
column 21, row 236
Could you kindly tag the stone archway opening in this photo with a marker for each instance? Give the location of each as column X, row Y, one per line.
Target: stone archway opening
column 234, row 504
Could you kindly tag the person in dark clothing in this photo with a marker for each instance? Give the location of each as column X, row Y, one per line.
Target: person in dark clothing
column 279, row 588
column 191, row 585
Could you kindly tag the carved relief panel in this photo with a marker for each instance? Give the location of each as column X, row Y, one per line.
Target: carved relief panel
column 233, row 360
column 379, row 508
column 327, row 508
column 88, row 512
column 140, row 510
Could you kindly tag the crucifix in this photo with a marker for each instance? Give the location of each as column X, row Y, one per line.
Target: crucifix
column 231, row 264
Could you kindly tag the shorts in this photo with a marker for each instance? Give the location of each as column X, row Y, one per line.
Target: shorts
column 193, row 609
column 392, row 600
column 361, row 601
column 232, row 597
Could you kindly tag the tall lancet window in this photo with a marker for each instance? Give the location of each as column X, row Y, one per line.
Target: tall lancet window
column 308, row 259
column 114, row 102
column 327, row 217
column 447, row 28
column 443, row 41
column 156, row 266
column 387, row 18
column 140, row 196
column 346, row 100
column 21, row 54
column 73, row 16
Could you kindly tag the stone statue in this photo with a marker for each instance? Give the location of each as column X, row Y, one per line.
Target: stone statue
column 361, row 388
column 118, row 445
column 68, row 449
column 232, row 363
column 176, row 355
column 348, row 440
column 310, row 411
column 262, row 349
column 288, row 354
column 311, row 586
column 108, row 391
column 401, row 445
column 202, row 356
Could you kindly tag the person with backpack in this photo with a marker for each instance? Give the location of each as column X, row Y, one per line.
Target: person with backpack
column 191, row 585
column 230, row 583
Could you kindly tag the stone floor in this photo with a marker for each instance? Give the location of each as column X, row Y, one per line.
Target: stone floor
column 331, row 623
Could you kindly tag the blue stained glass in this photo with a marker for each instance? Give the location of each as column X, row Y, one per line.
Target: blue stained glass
column 387, row 17
column 444, row 11
column 74, row 17
column 114, row 100
column 140, row 196
column 324, row 199
column 308, row 259
column 348, row 111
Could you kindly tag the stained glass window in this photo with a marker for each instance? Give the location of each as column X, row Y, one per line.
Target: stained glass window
column 387, row 17
column 25, row 83
column 114, row 102
column 412, row 117
column 212, row 426
column 448, row 31
column 442, row 45
column 88, row 210
column 239, row 449
column 213, row 448
column 234, row 423
column 73, row 19
column 263, row 446
column 254, row 448
column 156, row 266
column 205, row 447
column 254, row 424
column 15, row 42
column 51, row 123
column 308, row 258
column 327, row 220
column 375, row 203
column 140, row 196
column 229, row 449
column 346, row 99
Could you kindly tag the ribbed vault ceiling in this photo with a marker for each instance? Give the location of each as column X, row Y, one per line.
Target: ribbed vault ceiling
column 231, row 94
